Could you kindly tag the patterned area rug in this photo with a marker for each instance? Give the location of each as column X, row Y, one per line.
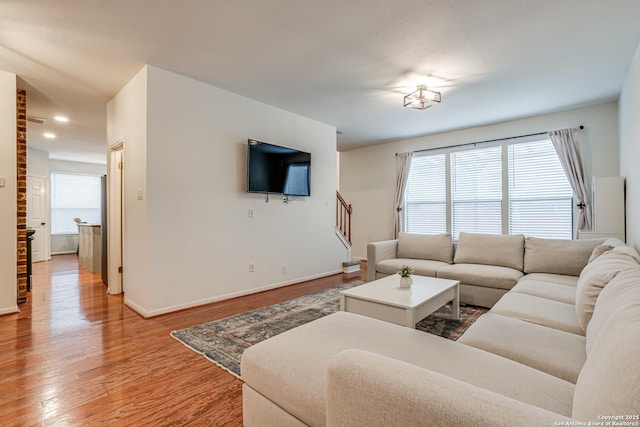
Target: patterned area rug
column 223, row 341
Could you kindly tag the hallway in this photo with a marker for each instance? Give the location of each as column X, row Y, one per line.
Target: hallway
column 76, row 356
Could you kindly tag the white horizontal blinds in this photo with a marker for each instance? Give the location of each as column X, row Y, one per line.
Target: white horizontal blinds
column 73, row 196
column 476, row 191
column 540, row 196
column 426, row 196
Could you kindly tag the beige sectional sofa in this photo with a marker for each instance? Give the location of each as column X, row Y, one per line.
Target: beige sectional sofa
column 560, row 346
column 487, row 265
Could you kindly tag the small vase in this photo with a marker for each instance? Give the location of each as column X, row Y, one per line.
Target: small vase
column 405, row 282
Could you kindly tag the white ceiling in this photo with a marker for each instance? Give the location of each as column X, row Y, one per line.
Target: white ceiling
column 346, row 63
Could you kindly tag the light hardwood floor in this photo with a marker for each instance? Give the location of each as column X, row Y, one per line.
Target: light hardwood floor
column 75, row 356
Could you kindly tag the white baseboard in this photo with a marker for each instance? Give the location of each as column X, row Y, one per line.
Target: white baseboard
column 9, row 310
column 135, row 307
column 159, row 311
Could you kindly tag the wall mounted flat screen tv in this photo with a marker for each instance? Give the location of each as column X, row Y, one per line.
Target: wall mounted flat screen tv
column 278, row 170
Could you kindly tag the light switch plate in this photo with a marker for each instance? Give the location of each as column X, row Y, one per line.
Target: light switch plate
column 140, row 193
column 2, row 181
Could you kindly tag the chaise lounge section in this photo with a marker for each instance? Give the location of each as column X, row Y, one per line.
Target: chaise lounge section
column 556, row 347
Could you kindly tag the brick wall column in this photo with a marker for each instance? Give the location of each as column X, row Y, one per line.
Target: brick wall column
column 21, row 99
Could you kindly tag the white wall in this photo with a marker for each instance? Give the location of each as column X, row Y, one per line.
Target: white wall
column 198, row 237
column 37, row 163
column 77, row 167
column 368, row 175
column 630, row 147
column 127, row 120
column 8, row 204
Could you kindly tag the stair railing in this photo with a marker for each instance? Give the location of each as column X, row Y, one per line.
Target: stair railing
column 343, row 217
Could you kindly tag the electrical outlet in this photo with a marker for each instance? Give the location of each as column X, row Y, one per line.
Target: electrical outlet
column 284, row 269
column 251, row 267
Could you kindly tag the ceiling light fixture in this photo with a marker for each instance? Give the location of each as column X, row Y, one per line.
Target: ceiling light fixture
column 422, row 98
column 61, row 119
column 49, row 135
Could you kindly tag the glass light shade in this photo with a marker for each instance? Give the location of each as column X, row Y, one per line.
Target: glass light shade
column 422, row 98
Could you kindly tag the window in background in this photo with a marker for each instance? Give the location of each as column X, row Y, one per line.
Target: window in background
column 512, row 188
column 540, row 196
column 73, row 196
column 476, row 191
column 426, row 195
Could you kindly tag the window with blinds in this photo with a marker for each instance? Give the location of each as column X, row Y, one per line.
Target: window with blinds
column 476, row 191
column 73, row 196
column 426, row 196
column 540, row 196
column 513, row 188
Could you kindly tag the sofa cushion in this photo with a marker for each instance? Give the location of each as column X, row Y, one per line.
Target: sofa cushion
column 558, row 256
column 561, row 279
column 609, row 383
column 555, row 352
column 490, row 249
column 622, row 290
column 542, row 311
column 595, row 276
column 628, row 250
column 599, row 250
column 290, row 368
column 488, row 276
column 614, row 241
column 368, row 389
column 422, row 267
column 548, row 290
column 436, row 247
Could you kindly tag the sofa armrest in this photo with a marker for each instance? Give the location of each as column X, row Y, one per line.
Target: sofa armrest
column 378, row 251
column 367, row 389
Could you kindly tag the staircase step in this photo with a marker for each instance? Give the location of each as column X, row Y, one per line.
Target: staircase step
column 351, row 266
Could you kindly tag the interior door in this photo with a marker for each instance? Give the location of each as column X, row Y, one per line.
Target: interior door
column 115, row 219
column 36, row 216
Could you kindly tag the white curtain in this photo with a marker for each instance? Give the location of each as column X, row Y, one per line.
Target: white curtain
column 567, row 145
column 403, row 165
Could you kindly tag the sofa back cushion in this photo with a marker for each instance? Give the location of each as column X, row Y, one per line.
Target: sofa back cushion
column 599, row 250
column 436, row 247
column 594, row 277
column 622, row 290
column 490, row 249
column 629, row 251
column 557, row 256
column 609, row 382
column 614, row 241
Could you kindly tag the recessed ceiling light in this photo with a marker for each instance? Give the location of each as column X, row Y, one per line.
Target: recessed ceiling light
column 49, row 135
column 61, row 119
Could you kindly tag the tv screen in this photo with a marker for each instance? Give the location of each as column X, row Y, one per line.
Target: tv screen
column 275, row 169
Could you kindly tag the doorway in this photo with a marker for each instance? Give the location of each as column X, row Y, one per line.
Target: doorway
column 37, row 208
column 115, row 209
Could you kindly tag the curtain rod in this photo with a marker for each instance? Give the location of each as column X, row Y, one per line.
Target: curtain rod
column 484, row 142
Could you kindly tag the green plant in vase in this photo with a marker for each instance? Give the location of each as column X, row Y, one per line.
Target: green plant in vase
column 405, row 276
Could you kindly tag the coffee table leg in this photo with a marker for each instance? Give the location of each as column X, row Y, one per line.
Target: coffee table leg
column 455, row 305
column 410, row 318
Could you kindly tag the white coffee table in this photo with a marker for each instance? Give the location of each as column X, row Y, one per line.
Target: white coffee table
column 384, row 299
